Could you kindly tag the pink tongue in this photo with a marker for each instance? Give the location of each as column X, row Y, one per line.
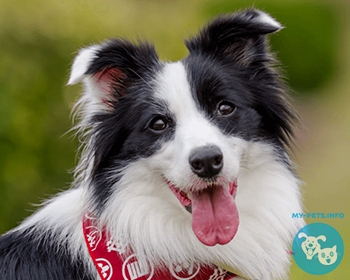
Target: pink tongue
column 214, row 216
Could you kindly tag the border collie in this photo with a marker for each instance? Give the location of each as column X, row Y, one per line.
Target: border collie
column 185, row 172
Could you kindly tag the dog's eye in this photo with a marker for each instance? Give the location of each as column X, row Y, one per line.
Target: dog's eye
column 226, row 108
column 158, row 124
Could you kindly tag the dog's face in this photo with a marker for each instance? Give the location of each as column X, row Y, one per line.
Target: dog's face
column 311, row 243
column 200, row 161
column 188, row 123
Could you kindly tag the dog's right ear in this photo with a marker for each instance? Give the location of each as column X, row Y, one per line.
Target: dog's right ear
column 237, row 38
column 110, row 69
column 302, row 235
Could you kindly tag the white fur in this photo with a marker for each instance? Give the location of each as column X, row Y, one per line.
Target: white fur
column 160, row 229
column 265, row 18
column 94, row 95
column 81, row 64
column 145, row 213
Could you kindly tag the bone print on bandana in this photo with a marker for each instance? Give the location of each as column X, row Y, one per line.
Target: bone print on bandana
column 112, row 263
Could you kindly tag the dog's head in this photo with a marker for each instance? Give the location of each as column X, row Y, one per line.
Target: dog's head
column 183, row 127
column 311, row 242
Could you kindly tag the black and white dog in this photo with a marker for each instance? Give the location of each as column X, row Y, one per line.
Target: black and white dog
column 185, row 162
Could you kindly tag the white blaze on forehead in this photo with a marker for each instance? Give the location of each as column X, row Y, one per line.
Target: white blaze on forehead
column 174, row 88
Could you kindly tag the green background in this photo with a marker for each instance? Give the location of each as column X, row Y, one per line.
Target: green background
column 38, row 41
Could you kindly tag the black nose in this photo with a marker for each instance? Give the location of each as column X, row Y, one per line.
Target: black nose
column 206, row 161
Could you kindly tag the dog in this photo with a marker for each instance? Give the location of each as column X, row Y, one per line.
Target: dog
column 185, row 170
column 310, row 245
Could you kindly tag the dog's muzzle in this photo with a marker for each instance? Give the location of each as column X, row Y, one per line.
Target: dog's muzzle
column 214, row 212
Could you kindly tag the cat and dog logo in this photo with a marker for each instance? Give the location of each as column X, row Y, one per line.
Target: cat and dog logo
column 318, row 248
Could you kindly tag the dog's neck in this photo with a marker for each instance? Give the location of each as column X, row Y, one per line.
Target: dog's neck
column 114, row 260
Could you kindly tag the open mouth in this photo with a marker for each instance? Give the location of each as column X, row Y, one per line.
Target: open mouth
column 310, row 251
column 185, row 198
column 214, row 212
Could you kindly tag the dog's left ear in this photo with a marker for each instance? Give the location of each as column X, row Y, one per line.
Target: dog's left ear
column 109, row 70
column 239, row 37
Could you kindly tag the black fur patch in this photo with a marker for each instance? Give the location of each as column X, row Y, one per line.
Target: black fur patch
column 24, row 256
column 229, row 61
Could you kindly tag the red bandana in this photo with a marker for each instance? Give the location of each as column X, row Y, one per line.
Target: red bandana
column 106, row 255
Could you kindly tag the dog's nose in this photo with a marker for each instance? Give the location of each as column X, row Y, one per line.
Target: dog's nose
column 206, row 161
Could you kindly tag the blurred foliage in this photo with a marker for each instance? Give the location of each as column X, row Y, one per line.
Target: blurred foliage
column 40, row 38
